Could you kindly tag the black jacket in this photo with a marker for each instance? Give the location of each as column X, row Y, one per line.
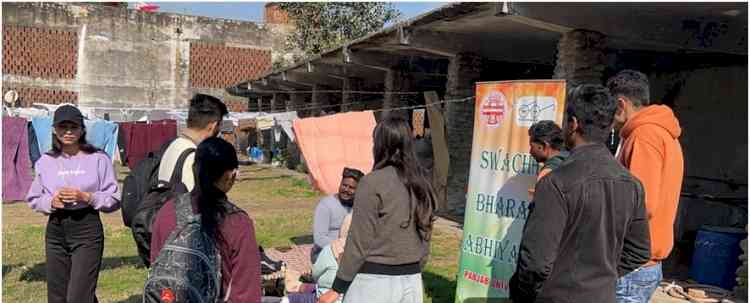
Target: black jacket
column 587, row 227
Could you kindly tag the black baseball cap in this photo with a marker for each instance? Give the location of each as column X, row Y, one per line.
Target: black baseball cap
column 68, row 113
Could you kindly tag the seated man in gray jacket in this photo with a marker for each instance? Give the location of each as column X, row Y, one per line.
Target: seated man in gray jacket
column 331, row 210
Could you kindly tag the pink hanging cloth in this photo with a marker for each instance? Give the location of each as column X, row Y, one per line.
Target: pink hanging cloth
column 333, row 142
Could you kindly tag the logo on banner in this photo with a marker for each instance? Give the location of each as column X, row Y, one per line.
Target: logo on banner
column 532, row 109
column 493, row 108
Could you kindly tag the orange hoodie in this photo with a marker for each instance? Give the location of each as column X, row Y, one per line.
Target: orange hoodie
column 653, row 154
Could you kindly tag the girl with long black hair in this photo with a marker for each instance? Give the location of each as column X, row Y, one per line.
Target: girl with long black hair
column 74, row 181
column 216, row 171
column 389, row 238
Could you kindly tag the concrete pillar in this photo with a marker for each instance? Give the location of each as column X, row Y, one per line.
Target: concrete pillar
column 351, row 101
column 581, row 58
column 260, row 104
column 296, row 103
column 397, row 81
column 279, row 102
column 315, row 101
column 252, row 104
column 273, row 102
column 463, row 73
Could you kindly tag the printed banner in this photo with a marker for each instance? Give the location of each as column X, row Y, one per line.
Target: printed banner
column 502, row 172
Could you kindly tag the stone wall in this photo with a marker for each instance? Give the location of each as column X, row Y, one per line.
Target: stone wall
column 711, row 105
column 115, row 57
column 463, row 72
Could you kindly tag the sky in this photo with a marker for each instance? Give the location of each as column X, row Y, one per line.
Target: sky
column 253, row 11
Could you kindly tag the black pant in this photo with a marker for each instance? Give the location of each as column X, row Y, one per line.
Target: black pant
column 75, row 243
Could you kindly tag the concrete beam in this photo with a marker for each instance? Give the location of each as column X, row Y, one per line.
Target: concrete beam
column 279, row 79
column 264, row 87
column 706, row 27
column 430, row 42
column 342, row 71
column 374, row 60
column 309, row 79
column 278, row 82
column 324, row 70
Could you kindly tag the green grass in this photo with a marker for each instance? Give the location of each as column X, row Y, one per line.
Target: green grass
column 280, row 203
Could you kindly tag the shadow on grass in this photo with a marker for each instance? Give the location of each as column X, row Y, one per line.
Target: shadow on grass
column 8, row 268
column 39, row 271
column 302, row 240
column 133, row 299
column 438, row 287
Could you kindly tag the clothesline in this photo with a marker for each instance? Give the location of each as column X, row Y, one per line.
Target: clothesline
column 309, row 107
column 288, row 109
column 361, row 92
column 425, row 105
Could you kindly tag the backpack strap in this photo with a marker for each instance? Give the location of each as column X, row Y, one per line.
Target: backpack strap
column 177, row 171
column 183, row 209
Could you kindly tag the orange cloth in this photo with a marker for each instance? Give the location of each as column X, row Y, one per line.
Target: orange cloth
column 652, row 153
column 333, row 142
column 418, row 122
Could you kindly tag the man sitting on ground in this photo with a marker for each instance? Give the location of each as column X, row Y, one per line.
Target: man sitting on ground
column 331, row 211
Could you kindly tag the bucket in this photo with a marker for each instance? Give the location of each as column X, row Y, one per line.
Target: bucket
column 715, row 259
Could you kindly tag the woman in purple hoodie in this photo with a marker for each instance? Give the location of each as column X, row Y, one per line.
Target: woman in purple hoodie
column 74, row 181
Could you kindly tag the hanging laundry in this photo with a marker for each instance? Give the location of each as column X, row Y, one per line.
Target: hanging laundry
column 265, row 122
column 43, row 130
column 417, row 117
column 165, row 130
column 30, row 112
column 103, row 135
column 122, row 139
column 34, row 152
column 333, row 142
column 441, row 162
column 277, row 133
column 140, row 138
column 16, row 162
column 285, row 121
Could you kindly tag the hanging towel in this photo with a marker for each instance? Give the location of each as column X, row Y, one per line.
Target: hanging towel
column 441, row 156
column 103, row 135
column 43, row 130
column 418, row 122
column 16, row 162
column 140, row 138
column 333, row 142
column 285, row 121
column 264, row 123
column 34, row 153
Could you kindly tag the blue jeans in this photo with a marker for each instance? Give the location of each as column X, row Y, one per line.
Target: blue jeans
column 639, row 285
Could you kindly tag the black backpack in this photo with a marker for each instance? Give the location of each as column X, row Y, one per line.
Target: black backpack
column 139, row 181
column 155, row 197
column 188, row 268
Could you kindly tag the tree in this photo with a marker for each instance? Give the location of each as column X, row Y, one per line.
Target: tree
column 325, row 25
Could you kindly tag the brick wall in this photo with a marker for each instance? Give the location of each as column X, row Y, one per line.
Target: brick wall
column 273, row 14
column 220, row 66
column 29, row 95
column 40, row 52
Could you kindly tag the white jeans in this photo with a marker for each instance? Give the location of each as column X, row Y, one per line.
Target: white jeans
column 385, row 289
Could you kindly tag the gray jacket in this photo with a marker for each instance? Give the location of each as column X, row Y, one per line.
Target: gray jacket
column 378, row 235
